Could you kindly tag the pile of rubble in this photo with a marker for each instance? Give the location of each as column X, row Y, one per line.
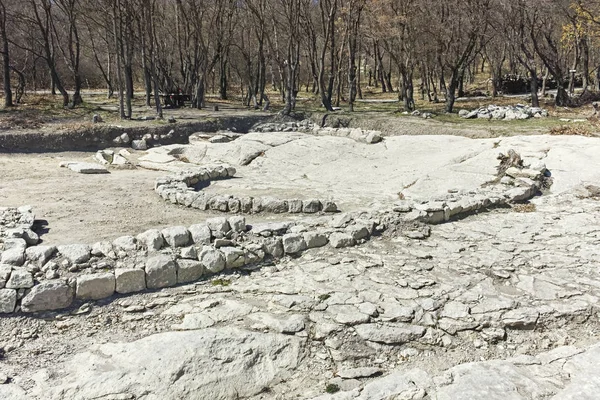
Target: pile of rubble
column 507, row 113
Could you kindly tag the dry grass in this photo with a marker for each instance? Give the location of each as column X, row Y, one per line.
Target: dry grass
column 575, row 129
column 524, row 208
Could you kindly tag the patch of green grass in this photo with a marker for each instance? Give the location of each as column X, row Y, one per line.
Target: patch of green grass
column 332, row 388
column 324, row 297
column 221, row 282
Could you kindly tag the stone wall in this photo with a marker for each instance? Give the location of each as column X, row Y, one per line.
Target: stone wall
column 180, row 188
column 41, row 278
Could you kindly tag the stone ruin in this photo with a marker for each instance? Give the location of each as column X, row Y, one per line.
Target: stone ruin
column 37, row 278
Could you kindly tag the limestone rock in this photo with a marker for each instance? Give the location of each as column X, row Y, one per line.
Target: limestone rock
column 390, row 334
column 311, row 206
column 212, row 259
column 139, row 144
column 86, row 168
column 125, row 243
column 161, row 271
column 14, row 257
column 129, row 280
column 200, row 234
column 193, row 362
column 8, row 300
column 282, row 323
column 39, row 254
column 152, row 239
column 315, row 239
column 75, row 253
column 340, row 240
column 220, row 225
column 189, row 271
column 234, row 257
column 237, row 223
column 95, row 286
column 177, row 236
column 293, row 243
column 20, row 278
column 49, row 295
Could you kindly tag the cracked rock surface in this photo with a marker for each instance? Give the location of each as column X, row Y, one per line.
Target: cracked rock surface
column 498, row 305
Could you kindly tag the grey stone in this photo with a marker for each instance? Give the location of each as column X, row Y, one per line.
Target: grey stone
column 31, row 237
column 234, row 205
column 15, row 243
column 129, row 280
column 330, row 206
column 161, row 271
column 455, row 310
column 340, row 240
column 76, row 253
column 315, row 239
column 188, row 253
column 520, row 318
column 212, row 259
column 8, row 300
column 358, row 232
column 39, row 255
column 347, row 314
column 95, row 286
column 390, row 334
column 86, row 168
column 103, row 249
column 311, row 206
column 189, row 271
column 238, row 224
column 234, row 257
column 293, row 243
column 200, row 234
column 282, row 323
column 125, row 243
column 152, row 239
column 198, row 360
column 14, row 257
column 218, row 225
column 273, row 205
column 139, row 144
column 49, row 295
column 177, row 236
column 20, row 278
column 273, row 247
column 295, row 206
column 219, row 203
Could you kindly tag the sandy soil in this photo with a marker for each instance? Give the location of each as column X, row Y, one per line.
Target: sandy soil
column 87, row 208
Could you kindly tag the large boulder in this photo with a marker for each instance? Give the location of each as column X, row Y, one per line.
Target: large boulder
column 224, row 363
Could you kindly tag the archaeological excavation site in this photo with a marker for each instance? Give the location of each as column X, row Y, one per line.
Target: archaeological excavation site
column 300, row 200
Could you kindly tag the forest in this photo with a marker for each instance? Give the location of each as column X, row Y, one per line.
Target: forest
column 331, row 49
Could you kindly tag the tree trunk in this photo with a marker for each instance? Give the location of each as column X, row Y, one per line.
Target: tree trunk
column 535, row 100
column 8, row 100
column 562, row 97
column 451, row 92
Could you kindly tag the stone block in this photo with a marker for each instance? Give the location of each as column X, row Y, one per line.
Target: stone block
column 189, row 271
column 161, row 271
column 8, row 300
column 95, row 286
column 177, row 236
column 129, row 280
column 49, row 295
